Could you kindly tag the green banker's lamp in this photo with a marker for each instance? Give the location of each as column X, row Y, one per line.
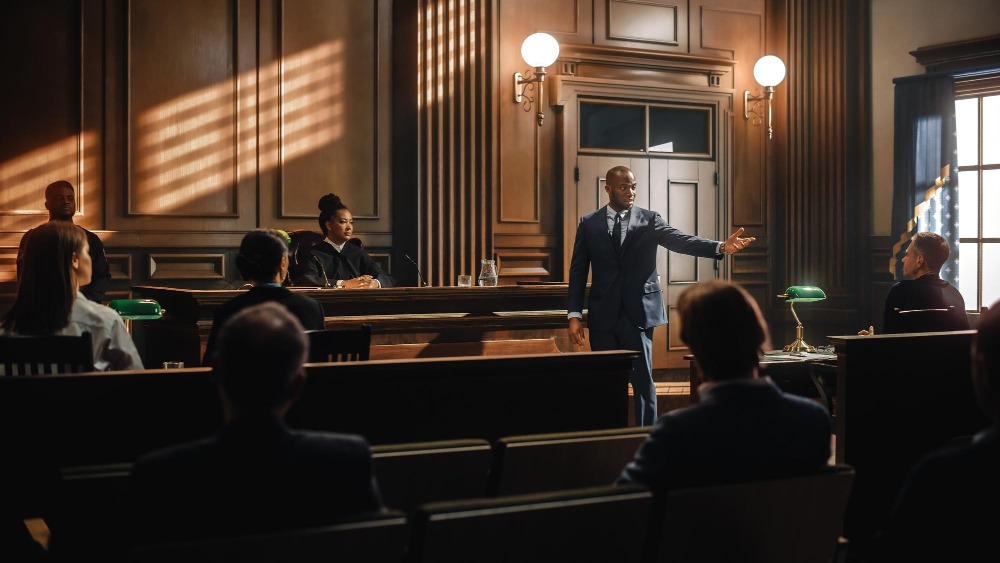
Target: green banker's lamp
column 800, row 294
column 136, row 309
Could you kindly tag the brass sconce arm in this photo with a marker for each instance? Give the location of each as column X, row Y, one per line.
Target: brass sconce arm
column 522, row 82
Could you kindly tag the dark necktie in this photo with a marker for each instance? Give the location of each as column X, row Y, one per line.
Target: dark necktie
column 616, row 234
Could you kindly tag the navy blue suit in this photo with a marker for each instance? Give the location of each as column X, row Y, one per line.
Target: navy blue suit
column 625, row 298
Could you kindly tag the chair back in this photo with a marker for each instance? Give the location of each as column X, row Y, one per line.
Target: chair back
column 374, row 538
column 40, row 355
column 596, row 524
column 787, row 520
column 413, row 474
column 88, row 515
column 298, row 250
column 341, row 345
column 549, row 462
column 927, row 320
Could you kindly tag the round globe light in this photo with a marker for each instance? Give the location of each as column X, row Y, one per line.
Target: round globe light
column 540, row 50
column 769, row 71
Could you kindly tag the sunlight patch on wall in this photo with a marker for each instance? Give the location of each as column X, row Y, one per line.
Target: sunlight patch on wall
column 23, row 179
column 190, row 151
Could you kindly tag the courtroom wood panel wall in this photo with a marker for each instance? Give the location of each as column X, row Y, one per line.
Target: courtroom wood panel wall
column 240, row 113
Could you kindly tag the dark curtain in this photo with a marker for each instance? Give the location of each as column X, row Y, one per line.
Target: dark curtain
column 925, row 188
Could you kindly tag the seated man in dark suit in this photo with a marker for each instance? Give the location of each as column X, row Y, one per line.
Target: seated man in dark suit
column 256, row 475
column 923, row 289
column 947, row 509
column 744, row 427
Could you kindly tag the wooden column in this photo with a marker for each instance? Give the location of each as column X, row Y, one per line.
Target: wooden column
column 821, row 180
column 456, row 135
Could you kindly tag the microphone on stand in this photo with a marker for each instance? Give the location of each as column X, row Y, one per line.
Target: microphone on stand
column 419, row 275
column 322, row 270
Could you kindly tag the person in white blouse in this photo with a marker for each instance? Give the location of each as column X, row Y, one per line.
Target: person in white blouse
column 56, row 263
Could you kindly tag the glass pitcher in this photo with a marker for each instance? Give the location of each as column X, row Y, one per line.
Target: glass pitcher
column 488, row 273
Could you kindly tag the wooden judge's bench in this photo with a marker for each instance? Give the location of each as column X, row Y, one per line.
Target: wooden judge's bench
column 407, row 322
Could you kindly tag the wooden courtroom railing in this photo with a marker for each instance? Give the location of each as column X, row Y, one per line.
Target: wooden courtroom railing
column 406, row 322
column 898, row 397
column 55, row 421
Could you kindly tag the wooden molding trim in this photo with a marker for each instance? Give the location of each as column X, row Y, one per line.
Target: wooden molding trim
column 982, row 51
column 187, row 266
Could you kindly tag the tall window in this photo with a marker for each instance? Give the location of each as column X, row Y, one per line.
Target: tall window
column 977, row 111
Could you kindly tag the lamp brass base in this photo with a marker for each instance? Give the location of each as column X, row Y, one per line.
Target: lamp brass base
column 799, row 345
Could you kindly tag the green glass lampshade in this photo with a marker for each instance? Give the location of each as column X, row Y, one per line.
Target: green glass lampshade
column 803, row 294
column 137, row 309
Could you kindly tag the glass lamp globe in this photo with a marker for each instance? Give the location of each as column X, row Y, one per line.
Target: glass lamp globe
column 769, row 71
column 540, row 50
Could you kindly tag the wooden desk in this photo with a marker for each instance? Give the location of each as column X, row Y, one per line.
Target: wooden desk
column 436, row 317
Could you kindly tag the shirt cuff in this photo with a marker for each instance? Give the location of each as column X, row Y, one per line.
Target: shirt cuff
column 574, row 315
column 721, row 249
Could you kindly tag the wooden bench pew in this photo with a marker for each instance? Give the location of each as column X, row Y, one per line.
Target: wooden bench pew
column 567, row 460
column 57, row 421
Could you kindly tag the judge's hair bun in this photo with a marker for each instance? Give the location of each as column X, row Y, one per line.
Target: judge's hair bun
column 331, row 202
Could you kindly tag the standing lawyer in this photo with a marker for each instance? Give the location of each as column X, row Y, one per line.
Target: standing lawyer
column 618, row 243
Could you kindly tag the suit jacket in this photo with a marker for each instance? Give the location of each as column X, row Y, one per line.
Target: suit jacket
column 740, row 429
column 352, row 261
column 947, row 507
column 630, row 279
column 305, row 308
column 100, row 277
column 256, row 475
column 926, row 292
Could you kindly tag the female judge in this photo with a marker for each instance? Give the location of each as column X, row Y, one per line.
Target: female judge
column 263, row 261
column 334, row 262
column 55, row 265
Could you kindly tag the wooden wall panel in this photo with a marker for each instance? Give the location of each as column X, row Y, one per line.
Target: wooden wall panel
column 182, row 108
column 327, row 132
column 525, row 192
column 181, row 148
column 660, row 25
column 50, row 111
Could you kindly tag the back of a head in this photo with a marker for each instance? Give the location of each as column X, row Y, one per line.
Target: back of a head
column 723, row 326
column 933, row 248
column 46, row 284
column 260, row 351
column 987, row 361
column 260, row 255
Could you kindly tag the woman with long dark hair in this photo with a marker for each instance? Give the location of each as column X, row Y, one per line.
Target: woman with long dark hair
column 335, row 262
column 263, row 261
column 56, row 263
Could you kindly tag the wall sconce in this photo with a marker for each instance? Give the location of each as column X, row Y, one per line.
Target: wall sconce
column 538, row 50
column 769, row 72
